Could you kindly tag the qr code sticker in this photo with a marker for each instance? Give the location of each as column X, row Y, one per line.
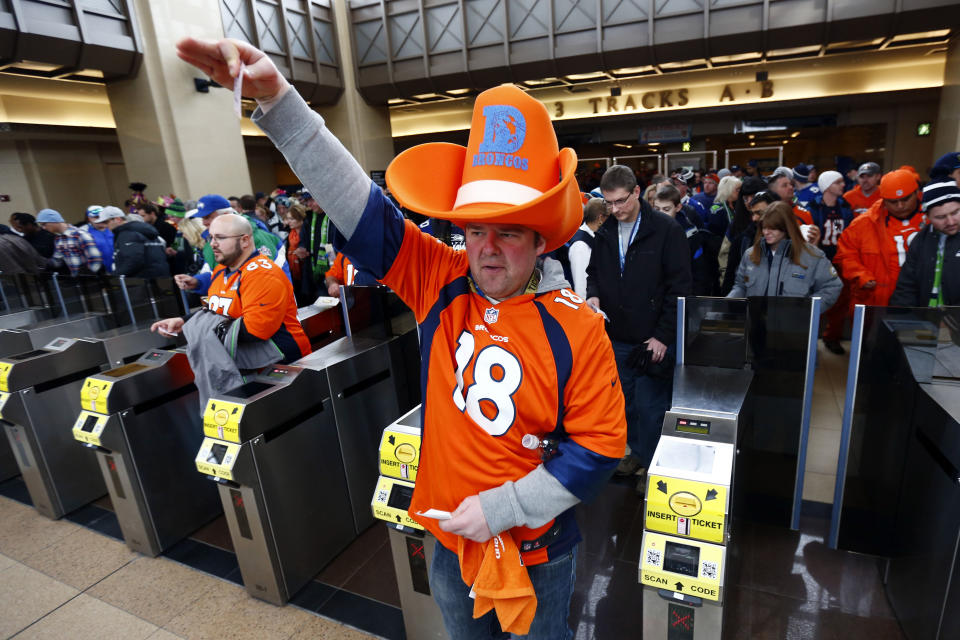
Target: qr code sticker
column 654, row 557
column 381, row 496
column 709, row 570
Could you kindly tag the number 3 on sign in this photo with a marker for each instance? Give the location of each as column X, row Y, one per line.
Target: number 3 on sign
column 496, row 377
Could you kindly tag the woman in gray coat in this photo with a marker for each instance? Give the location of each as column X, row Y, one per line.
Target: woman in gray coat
column 780, row 263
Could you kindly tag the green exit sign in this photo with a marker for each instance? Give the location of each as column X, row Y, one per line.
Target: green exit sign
column 923, row 129
column 685, row 146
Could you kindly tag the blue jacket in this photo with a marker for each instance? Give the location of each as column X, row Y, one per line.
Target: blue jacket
column 104, row 241
column 807, row 195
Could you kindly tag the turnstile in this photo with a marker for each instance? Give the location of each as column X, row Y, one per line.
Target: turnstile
column 410, row 545
column 142, row 419
column 898, row 477
column 684, row 552
column 38, row 404
column 272, row 445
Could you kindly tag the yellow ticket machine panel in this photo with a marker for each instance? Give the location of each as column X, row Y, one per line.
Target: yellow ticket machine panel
column 216, row 458
column 391, row 500
column 689, row 567
column 400, row 452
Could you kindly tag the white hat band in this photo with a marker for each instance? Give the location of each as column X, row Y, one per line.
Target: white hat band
column 495, row 191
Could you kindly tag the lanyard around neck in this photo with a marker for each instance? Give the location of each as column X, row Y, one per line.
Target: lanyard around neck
column 633, row 233
column 936, row 295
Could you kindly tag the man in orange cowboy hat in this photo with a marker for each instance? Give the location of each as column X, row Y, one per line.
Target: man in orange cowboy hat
column 523, row 412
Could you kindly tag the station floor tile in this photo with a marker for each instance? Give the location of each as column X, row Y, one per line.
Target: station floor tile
column 27, row 595
column 155, row 589
column 86, row 618
column 81, row 558
column 226, row 611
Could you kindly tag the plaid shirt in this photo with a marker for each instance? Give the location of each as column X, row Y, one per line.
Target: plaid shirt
column 76, row 249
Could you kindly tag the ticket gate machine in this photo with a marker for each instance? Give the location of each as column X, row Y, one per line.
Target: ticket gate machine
column 411, row 547
column 38, row 403
column 272, row 446
column 898, row 480
column 143, row 421
column 266, row 441
column 683, row 561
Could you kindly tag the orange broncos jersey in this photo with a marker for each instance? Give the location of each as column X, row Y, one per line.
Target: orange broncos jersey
column 491, row 374
column 342, row 270
column 262, row 295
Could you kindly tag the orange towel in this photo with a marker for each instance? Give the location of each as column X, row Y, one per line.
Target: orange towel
column 499, row 580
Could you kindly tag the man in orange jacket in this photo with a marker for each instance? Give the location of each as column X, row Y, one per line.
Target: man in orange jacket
column 866, row 193
column 873, row 248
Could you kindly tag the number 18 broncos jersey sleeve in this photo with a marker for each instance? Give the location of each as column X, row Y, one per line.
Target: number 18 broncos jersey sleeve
column 490, row 374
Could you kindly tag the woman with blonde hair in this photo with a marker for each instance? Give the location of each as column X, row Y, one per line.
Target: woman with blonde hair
column 781, row 263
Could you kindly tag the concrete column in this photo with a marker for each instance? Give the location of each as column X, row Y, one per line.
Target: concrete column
column 173, row 138
column 947, row 127
column 362, row 128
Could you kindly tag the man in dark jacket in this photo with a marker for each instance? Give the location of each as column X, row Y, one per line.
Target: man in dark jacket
column 17, row 255
column 640, row 264
column 931, row 274
column 40, row 239
column 138, row 250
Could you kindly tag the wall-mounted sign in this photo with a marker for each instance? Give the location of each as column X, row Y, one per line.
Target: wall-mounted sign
column 665, row 133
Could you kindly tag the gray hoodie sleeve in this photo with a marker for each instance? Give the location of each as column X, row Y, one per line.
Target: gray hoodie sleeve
column 531, row 501
column 739, row 286
column 826, row 283
column 322, row 163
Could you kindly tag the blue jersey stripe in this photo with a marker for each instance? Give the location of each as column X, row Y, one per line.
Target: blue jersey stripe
column 562, row 358
column 376, row 241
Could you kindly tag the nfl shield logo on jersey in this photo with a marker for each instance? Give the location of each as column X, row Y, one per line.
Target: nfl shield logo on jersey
column 490, row 315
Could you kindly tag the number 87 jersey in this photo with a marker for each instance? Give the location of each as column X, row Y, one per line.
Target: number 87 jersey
column 537, row 363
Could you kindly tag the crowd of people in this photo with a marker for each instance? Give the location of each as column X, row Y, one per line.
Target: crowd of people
column 171, row 237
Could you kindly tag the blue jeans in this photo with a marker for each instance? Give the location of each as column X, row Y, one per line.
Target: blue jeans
column 647, row 400
column 552, row 582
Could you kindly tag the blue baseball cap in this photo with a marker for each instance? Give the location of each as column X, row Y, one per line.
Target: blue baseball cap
column 94, row 210
column 211, row 203
column 304, row 196
column 49, row 215
column 948, row 161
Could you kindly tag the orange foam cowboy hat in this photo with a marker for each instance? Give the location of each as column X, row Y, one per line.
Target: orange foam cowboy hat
column 510, row 172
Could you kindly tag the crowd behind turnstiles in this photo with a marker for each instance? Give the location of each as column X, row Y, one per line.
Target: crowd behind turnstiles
column 171, row 237
column 864, row 237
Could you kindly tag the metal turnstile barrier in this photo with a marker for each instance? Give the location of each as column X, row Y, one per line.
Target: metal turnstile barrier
column 39, row 389
column 898, row 478
column 267, row 440
column 143, row 421
column 712, row 443
column 410, row 545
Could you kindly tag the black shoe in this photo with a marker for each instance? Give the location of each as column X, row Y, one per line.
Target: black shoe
column 834, row 346
column 628, row 466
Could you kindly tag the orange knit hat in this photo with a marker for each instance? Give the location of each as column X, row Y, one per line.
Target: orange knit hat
column 898, row 184
column 510, row 172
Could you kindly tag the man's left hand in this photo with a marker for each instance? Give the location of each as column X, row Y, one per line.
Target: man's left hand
column 468, row 521
column 657, row 348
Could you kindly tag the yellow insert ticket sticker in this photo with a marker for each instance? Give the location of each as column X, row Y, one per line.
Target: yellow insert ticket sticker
column 94, row 394
column 686, row 508
column 89, row 427
column 217, row 458
column 221, row 420
column 400, row 454
column 3, row 402
column 4, row 374
column 690, row 567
